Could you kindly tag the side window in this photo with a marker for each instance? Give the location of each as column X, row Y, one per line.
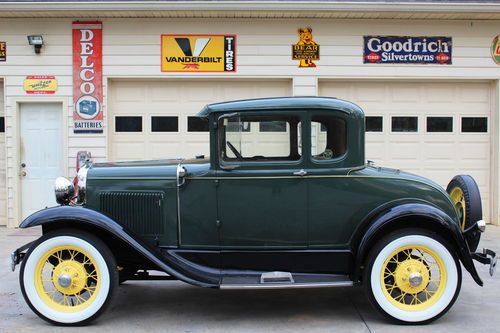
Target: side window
column 328, row 138
column 259, row 138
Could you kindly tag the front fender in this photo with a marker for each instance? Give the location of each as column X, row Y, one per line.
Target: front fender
column 79, row 217
column 429, row 217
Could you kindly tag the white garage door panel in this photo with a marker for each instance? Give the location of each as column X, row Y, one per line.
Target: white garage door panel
column 181, row 98
column 438, row 156
column 3, row 167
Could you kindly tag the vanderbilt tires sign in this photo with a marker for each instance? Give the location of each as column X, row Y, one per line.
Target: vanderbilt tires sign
column 198, row 53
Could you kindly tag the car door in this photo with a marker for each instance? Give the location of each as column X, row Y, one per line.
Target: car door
column 261, row 195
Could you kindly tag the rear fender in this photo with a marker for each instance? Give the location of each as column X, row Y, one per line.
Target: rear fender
column 416, row 215
column 84, row 218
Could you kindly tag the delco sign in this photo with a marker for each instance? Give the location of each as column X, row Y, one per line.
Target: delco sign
column 87, row 77
column 407, row 50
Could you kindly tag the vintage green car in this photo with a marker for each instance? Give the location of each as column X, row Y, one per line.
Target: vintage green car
column 285, row 200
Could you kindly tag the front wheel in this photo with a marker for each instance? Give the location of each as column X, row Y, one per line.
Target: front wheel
column 413, row 276
column 68, row 277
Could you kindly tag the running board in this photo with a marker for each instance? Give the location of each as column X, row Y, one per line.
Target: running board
column 285, row 280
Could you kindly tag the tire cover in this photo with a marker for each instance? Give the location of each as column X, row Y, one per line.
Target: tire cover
column 473, row 209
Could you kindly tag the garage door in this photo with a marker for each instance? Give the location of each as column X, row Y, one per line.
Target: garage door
column 437, row 129
column 3, row 165
column 154, row 119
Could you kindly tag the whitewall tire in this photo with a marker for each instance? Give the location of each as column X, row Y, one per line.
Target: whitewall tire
column 68, row 277
column 413, row 276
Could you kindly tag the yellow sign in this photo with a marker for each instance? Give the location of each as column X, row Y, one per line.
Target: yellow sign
column 3, row 51
column 40, row 84
column 306, row 50
column 198, row 53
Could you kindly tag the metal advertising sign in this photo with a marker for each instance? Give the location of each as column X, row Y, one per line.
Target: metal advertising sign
column 87, row 77
column 407, row 50
column 3, row 51
column 198, row 53
column 495, row 49
column 306, row 50
column 40, row 85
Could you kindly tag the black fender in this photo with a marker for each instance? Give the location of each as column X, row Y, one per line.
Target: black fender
column 79, row 217
column 429, row 217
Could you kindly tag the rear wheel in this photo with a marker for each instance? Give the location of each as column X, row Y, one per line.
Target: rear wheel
column 68, row 277
column 412, row 276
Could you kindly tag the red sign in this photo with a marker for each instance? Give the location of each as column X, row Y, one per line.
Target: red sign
column 373, row 57
column 442, row 58
column 87, row 77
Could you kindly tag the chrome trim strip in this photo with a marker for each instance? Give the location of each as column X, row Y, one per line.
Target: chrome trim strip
column 134, row 178
column 287, row 286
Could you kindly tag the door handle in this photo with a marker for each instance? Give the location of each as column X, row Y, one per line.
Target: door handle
column 23, row 173
column 301, row 173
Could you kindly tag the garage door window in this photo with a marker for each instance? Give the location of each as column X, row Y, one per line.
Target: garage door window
column 404, row 124
column 373, row 124
column 197, row 124
column 164, row 124
column 439, row 124
column 474, row 124
column 2, row 124
column 128, row 124
column 272, row 126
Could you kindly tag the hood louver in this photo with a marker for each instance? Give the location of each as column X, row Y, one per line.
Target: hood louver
column 141, row 212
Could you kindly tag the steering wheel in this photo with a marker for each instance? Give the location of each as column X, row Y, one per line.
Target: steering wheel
column 235, row 151
column 327, row 154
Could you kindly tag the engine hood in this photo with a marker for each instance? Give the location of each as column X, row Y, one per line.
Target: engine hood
column 147, row 169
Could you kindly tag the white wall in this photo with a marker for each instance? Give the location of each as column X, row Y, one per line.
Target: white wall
column 132, row 49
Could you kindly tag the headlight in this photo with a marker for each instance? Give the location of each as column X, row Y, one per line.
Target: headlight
column 82, row 183
column 64, row 190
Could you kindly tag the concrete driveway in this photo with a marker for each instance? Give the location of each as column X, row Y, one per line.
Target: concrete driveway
column 176, row 307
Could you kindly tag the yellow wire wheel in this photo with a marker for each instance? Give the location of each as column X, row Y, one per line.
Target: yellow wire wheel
column 68, row 277
column 413, row 276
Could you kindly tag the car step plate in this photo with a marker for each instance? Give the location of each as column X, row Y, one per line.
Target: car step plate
column 283, row 280
column 276, row 277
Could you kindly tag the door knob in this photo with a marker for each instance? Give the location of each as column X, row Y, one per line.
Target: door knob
column 23, row 173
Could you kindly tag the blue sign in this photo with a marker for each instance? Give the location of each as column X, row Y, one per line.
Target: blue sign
column 407, row 50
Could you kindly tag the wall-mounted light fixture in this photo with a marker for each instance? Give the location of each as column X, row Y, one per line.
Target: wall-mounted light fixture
column 36, row 41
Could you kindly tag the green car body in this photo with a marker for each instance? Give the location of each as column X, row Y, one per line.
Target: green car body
column 223, row 221
column 322, row 209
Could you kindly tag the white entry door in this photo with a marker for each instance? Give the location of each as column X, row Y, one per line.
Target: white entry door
column 41, row 155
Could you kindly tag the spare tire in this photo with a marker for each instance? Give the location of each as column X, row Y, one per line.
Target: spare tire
column 464, row 193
